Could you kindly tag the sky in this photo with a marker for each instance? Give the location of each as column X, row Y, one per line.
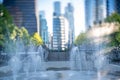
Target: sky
column 79, row 15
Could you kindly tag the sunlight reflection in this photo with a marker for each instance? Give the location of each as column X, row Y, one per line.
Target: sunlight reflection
column 100, row 33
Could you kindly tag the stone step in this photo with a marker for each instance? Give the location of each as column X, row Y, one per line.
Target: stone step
column 57, row 65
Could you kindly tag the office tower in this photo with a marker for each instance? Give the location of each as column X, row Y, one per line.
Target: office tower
column 117, row 6
column 95, row 12
column 56, row 33
column 110, row 7
column 57, row 8
column 60, row 33
column 69, row 12
column 100, row 11
column 56, row 26
column 1, row 1
column 43, row 28
column 113, row 6
column 89, row 13
column 24, row 13
column 50, row 41
column 59, row 29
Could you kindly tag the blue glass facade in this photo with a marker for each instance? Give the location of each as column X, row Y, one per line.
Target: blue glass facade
column 58, row 28
column 1, row 1
column 43, row 28
column 23, row 12
column 95, row 12
column 57, row 8
column 117, row 6
column 100, row 11
column 110, row 7
column 69, row 12
column 89, row 13
column 113, row 6
column 56, row 34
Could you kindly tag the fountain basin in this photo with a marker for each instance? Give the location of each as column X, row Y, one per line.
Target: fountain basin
column 67, row 74
column 63, row 75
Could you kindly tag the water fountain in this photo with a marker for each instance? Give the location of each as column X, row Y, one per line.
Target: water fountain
column 93, row 56
column 15, row 65
column 86, row 63
column 29, row 65
column 27, row 62
column 77, row 59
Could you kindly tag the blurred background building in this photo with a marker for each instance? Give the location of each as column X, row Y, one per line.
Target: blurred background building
column 44, row 28
column 24, row 13
column 69, row 14
column 59, row 28
column 95, row 12
column 110, row 7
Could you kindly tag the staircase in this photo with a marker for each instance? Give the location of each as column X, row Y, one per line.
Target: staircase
column 58, row 56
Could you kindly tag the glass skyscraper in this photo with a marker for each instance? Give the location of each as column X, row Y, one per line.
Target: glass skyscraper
column 110, row 4
column 69, row 12
column 117, row 6
column 56, row 26
column 43, row 28
column 100, row 11
column 57, row 8
column 88, row 13
column 95, row 12
column 59, row 31
column 24, row 13
column 113, row 6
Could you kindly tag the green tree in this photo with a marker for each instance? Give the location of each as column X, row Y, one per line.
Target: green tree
column 115, row 17
column 115, row 39
column 82, row 38
column 115, row 36
column 8, row 31
column 20, row 33
column 6, row 25
column 25, row 36
column 36, row 39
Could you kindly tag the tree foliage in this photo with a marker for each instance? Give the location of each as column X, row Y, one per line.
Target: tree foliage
column 20, row 33
column 36, row 39
column 6, row 25
column 9, row 32
column 25, row 36
column 115, row 37
column 82, row 38
column 115, row 17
